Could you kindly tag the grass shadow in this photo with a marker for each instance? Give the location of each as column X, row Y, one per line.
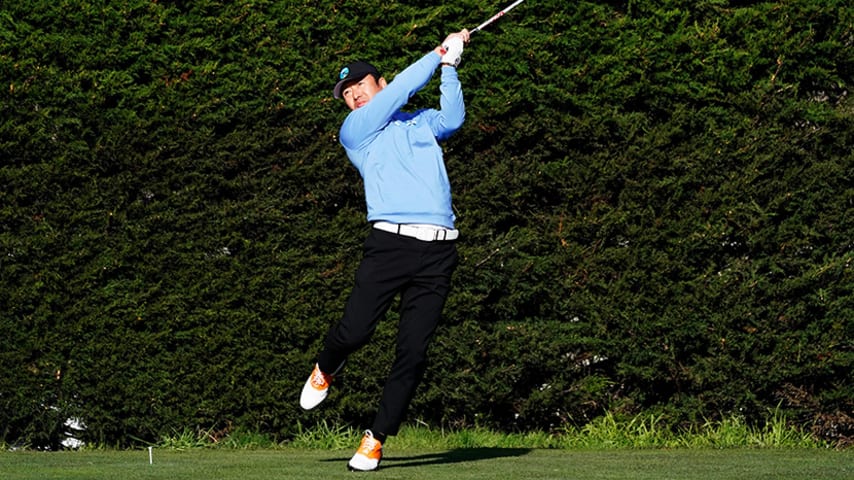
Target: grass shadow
column 458, row 455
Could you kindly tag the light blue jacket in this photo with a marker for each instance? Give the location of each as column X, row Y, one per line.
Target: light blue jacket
column 398, row 153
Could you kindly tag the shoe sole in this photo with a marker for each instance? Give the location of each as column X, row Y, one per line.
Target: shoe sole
column 354, row 469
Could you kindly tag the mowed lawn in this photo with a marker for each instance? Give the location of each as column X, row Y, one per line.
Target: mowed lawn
column 475, row 463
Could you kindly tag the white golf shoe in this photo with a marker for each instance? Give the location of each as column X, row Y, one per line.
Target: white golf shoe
column 368, row 456
column 316, row 389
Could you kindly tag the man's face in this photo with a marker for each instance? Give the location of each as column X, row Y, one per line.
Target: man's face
column 359, row 92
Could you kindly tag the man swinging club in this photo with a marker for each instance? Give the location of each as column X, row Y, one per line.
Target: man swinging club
column 411, row 248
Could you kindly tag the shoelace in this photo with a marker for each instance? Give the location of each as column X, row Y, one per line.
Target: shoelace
column 369, row 444
column 318, row 379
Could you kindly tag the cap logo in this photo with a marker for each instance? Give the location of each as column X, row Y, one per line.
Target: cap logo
column 344, row 73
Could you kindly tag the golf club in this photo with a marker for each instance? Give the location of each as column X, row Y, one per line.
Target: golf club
column 495, row 17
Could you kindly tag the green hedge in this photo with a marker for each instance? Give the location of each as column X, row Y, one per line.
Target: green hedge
column 656, row 201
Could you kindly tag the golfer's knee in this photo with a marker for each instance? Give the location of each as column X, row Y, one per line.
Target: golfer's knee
column 346, row 341
column 415, row 357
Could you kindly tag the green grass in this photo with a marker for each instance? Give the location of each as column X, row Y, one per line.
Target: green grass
column 462, row 463
column 642, row 431
column 606, row 448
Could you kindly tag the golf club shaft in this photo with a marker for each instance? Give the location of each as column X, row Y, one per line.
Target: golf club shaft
column 496, row 16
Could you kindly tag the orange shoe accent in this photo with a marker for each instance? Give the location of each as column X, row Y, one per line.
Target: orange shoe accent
column 319, row 380
column 369, row 454
column 371, row 447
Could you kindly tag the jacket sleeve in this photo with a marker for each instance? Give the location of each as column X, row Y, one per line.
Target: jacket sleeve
column 453, row 112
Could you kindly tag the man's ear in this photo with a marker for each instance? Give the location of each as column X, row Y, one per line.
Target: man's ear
column 382, row 83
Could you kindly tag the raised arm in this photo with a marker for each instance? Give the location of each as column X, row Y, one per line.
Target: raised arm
column 364, row 123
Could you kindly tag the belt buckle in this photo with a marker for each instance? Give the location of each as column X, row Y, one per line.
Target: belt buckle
column 426, row 235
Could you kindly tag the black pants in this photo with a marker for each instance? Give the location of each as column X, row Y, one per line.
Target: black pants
column 421, row 273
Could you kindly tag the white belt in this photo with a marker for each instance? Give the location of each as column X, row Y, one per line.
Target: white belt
column 424, row 233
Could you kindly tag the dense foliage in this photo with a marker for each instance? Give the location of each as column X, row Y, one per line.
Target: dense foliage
column 656, row 200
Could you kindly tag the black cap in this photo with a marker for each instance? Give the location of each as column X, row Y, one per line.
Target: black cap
column 353, row 72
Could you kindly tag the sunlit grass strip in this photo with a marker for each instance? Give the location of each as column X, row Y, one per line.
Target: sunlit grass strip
column 649, row 432
column 607, row 431
column 643, row 431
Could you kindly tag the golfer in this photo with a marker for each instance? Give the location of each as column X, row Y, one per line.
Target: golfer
column 410, row 249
